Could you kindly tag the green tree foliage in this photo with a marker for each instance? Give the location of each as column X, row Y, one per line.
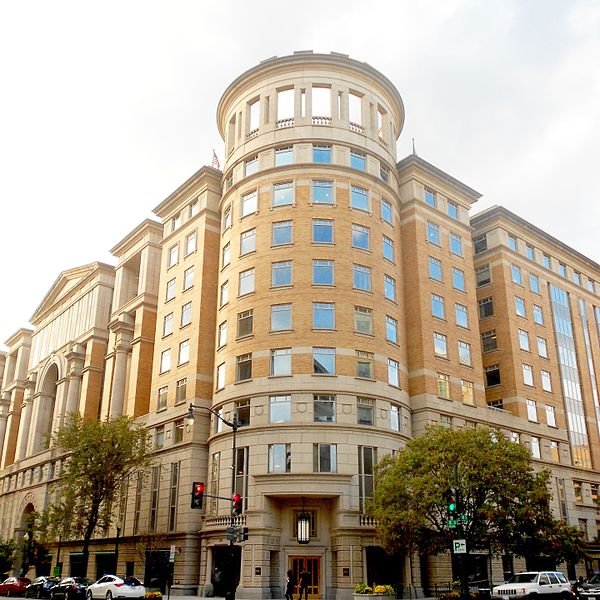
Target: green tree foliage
column 7, row 554
column 504, row 503
column 102, row 456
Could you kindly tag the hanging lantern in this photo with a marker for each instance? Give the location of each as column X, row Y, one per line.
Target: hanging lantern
column 303, row 528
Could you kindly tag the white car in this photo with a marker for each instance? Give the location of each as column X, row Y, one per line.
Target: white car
column 534, row 584
column 111, row 586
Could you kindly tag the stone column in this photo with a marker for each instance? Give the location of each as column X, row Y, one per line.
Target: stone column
column 4, row 408
column 124, row 334
column 25, row 420
column 76, row 359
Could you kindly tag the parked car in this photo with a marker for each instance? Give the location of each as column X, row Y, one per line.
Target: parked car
column 111, row 586
column 14, row 586
column 40, row 587
column 70, row 588
column 534, row 584
column 590, row 588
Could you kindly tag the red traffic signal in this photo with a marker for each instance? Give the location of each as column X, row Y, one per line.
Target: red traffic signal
column 197, row 494
column 236, row 500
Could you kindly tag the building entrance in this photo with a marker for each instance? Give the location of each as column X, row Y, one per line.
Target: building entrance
column 312, row 564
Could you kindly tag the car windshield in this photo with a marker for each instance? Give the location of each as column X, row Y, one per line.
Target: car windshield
column 132, row 581
column 523, row 578
column 594, row 578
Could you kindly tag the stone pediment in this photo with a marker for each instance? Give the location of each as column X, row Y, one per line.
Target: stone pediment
column 65, row 287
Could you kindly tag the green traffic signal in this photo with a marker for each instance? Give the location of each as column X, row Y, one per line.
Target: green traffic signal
column 452, row 507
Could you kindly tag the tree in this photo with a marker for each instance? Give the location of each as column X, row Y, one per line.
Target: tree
column 101, row 457
column 7, row 554
column 502, row 505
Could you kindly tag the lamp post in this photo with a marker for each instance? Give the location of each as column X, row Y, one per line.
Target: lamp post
column 119, row 526
column 233, row 424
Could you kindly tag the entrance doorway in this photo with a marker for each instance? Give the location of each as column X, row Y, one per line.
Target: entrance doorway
column 312, row 564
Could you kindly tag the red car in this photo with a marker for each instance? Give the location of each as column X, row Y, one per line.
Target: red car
column 14, row 586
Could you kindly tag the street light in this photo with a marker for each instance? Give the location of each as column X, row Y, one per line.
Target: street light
column 119, row 526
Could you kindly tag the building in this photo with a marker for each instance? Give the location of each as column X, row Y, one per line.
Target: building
column 319, row 304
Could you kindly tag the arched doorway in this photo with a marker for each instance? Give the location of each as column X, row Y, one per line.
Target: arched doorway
column 46, row 401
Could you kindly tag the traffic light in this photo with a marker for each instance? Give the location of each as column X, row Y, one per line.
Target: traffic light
column 243, row 534
column 197, row 494
column 452, row 502
column 237, row 504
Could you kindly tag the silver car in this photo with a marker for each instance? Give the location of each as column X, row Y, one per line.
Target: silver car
column 111, row 586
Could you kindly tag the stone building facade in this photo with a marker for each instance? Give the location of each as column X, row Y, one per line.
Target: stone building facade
column 329, row 301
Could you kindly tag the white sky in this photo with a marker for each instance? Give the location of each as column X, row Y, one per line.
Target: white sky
column 107, row 107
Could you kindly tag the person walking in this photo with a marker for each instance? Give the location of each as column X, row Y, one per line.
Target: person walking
column 290, row 584
column 304, row 583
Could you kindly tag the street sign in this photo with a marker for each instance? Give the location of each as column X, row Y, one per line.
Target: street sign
column 459, row 546
column 172, row 554
column 463, row 519
column 451, row 523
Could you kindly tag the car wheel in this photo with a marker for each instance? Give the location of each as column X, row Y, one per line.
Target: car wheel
column 90, row 596
column 109, row 595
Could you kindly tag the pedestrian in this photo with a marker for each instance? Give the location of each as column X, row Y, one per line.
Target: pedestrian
column 577, row 586
column 290, row 584
column 304, row 583
column 218, row 582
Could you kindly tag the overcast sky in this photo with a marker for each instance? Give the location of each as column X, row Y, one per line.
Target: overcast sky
column 107, row 107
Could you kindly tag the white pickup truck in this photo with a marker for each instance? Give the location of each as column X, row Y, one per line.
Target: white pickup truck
column 538, row 585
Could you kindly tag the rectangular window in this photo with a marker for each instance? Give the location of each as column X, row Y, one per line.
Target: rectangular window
column 220, row 376
column 184, row 352
column 178, row 429
column 226, row 254
column 462, row 315
column 538, row 315
column 176, row 221
column 154, row 490
column 524, row 340
column 464, row 353
column 489, row 341
column 186, row 314
column 577, row 277
column 249, row 204
column 181, row 390
column 366, row 474
column 282, row 233
column 283, row 194
column 590, row 285
column 388, row 248
column 435, row 268
column 389, row 288
column 251, row 166
column 281, row 273
column 188, row 278
column 430, row 197
column 190, row 243
column 324, row 408
column 483, row 275
column 386, row 211
column 246, row 282
column 247, row 241
column 365, row 364
column 284, row 156
column 520, row 306
column 394, row 417
column 162, row 398
column 245, row 323
column 165, row 360
column 550, row 416
column 358, row 160
column 512, row 242
column 324, row 458
column 172, row 256
column 359, row 198
column 243, row 370
column 363, row 320
column 170, row 290
column 554, row 453
column 437, row 306
column 480, row 243
column 173, row 495
column 530, row 251
column 360, row 237
column 443, row 385
column 281, row 317
column 355, row 110
column 321, row 154
column 322, row 192
column 384, row 173
column 527, row 374
column 535, row 447
column 361, row 277
column 534, row 283
column 322, row 272
column 323, row 361
column 458, row 279
column 452, row 209
column 365, row 409
column 253, row 116
column 280, row 458
column 393, row 372
column 547, row 261
column 440, row 344
column 456, row 246
column 562, row 269
column 224, row 294
column 280, row 409
column 433, row 233
column 168, row 324
column 391, row 329
column 546, row 381
column 492, row 375
column 322, row 231
column 323, row 315
column 542, row 347
column 467, row 391
column 281, row 362
column 532, row 411
column 516, row 274
column 227, row 218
